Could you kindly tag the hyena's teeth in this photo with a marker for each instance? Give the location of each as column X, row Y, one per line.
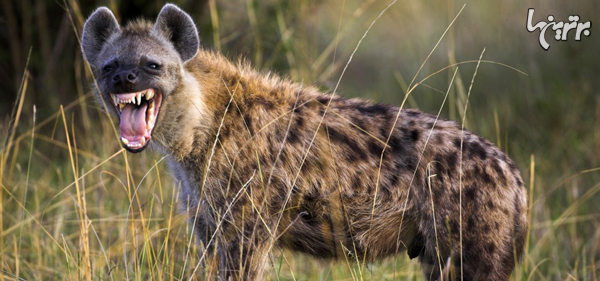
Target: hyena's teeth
column 121, row 106
column 124, row 141
column 142, row 141
column 150, row 124
column 150, row 114
column 149, row 94
column 138, row 98
column 151, row 105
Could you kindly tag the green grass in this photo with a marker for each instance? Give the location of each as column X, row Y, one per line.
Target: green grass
column 74, row 205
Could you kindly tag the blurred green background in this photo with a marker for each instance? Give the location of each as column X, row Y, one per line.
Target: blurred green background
column 541, row 107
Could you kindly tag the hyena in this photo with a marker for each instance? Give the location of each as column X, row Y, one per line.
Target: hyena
column 264, row 162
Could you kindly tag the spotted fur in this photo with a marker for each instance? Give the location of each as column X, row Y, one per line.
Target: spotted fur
column 266, row 162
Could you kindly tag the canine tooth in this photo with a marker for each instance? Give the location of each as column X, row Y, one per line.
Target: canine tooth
column 121, row 106
column 149, row 94
column 124, row 141
column 138, row 97
column 114, row 99
column 142, row 141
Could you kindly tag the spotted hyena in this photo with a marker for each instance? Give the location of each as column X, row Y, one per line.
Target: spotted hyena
column 265, row 162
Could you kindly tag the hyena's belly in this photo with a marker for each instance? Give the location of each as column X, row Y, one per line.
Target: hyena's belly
column 335, row 232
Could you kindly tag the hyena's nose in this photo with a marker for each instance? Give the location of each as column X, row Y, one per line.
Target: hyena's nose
column 124, row 78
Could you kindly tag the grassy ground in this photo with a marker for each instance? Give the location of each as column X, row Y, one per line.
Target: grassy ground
column 74, row 205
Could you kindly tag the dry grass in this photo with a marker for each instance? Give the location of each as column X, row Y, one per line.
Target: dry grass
column 74, row 205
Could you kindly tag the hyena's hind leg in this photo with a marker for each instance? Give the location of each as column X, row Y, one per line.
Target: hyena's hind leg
column 486, row 255
column 435, row 262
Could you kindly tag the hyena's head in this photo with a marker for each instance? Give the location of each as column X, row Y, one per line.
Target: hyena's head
column 138, row 66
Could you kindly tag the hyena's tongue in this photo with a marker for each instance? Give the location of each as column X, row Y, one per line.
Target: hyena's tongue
column 133, row 122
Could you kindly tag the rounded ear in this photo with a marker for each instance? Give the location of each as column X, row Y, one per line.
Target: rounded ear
column 180, row 29
column 98, row 28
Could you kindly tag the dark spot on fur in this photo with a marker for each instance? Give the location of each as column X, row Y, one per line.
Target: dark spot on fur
column 490, row 204
column 439, row 167
column 486, row 178
column 248, row 122
column 486, row 228
column 224, row 132
column 357, row 184
column 414, row 134
column 471, row 193
column 513, row 166
column 306, row 167
column 283, row 157
column 359, row 124
column 299, row 122
column 321, row 111
column 264, row 102
column 453, row 226
column 412, row 113
column 490, row 247
column 355, row 152
column 369, row 188
column 296, row 108
column 471, row 222
column 408, row 163
column 476, row 149
column 292, row 137
column 519, row 182
column 373, row 109
column 456, row 143
column 324, row 99
column 451, row 161
column 375, row 148
column 384, row 129
column 396, row 145
column 394, row 179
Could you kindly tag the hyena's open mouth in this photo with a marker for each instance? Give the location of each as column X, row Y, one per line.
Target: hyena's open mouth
column 137, row 112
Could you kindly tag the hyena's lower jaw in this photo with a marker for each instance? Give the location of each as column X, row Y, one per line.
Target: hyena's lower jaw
column 137, row 113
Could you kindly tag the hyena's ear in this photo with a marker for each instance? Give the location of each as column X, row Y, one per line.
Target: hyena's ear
column 180, row 28
column 98, row 28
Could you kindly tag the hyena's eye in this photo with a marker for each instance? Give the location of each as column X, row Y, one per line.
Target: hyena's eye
column 107, row 68
column 153, row 65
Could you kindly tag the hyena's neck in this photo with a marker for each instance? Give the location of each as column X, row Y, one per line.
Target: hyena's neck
column 210, row 85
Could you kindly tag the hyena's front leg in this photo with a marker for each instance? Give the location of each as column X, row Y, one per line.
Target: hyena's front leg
column 245, row 257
